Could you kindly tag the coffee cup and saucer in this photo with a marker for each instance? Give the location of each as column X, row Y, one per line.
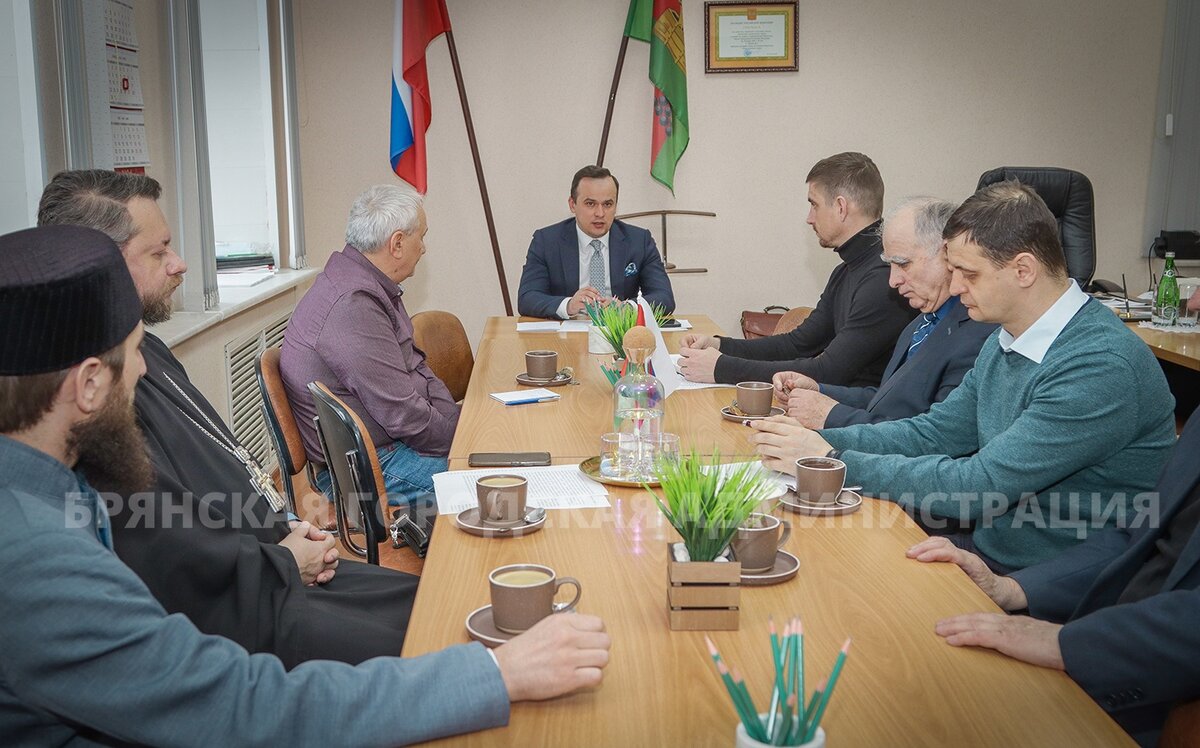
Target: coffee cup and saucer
column 757, row 546
column 522, row 595
column 753, row 401
column 821, row 489
column 501, row 509
column 541, row 370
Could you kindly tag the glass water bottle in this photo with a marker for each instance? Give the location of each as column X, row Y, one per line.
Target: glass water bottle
column 1166, row 299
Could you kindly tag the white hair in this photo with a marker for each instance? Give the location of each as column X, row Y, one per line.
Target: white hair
column 379, row 212
column 929, row 215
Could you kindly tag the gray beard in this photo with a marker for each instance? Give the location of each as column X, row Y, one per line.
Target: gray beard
column 157, row 310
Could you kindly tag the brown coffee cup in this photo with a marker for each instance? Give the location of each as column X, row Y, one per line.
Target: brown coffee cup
column 757, row 542
column 820, row 480
column 754, row 398
column 541, row 364
column 523, row 594
column 501, row 499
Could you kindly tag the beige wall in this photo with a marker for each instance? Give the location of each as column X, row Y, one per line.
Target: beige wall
column 203, row 355
column 936, row 91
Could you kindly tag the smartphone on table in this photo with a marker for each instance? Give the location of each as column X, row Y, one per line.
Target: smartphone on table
column 508, row 459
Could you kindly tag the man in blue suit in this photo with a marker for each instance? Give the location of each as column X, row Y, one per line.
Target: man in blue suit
column 592, row 257
column 932, row 354
column 1117, row 613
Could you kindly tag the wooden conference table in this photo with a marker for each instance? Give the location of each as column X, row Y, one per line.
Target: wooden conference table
column 1178, row 348
column 902, row 685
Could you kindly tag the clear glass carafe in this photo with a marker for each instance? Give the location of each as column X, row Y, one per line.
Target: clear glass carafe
column 637, row 416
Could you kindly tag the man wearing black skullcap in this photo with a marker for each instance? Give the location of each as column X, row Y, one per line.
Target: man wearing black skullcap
column 79, row 628
column 204, row 541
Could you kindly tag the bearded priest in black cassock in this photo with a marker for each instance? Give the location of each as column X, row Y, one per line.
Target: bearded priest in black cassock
column 204, row 540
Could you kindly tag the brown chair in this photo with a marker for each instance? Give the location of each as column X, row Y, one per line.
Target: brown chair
column 792, row 318
column 444, row 341
column 1182, row 729
column 358, row 486
column 281, row 424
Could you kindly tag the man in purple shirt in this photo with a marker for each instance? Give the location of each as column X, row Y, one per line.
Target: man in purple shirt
column 352, row 332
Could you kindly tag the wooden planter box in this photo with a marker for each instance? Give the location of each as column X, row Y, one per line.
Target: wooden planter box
column 702, row 595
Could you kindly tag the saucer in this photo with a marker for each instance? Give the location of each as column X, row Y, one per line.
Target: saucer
column 468, row 521
column 729, row 415
column 482, row 628
column 591, row 468
column 786, row 566
column 847, row 502
column 558, row 380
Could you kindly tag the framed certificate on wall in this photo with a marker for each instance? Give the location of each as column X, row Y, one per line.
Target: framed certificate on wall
column 750, row 37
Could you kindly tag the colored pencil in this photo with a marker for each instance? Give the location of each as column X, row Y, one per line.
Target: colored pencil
column 748, row 702
column 774, row 691
column 800, row 728
column 800, row 663
column 749, row 718
column 828, row 692
column 782, row 721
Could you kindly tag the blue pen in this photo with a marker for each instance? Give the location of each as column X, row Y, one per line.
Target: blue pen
column 534, row 400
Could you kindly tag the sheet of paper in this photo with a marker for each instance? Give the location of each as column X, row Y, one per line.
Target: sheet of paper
column 124, row 78
column 244, row 279
column 780, row 482
column 575, row 325
column 520, row 397
column 119, row 26
column 538, row 326
column 686, row 385
column 129, row 137
column 664, row 369
column 1113, row 302
column 683, row 325
column 553, row 487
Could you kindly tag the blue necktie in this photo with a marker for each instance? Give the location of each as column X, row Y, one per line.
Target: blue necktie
column 928, row 320
column 597, row 275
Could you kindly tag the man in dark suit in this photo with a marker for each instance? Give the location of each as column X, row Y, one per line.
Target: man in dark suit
column 592, row 257
column 1117, row 613
column 932, row 354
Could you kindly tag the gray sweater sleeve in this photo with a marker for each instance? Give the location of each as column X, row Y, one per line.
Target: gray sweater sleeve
column 84, row 641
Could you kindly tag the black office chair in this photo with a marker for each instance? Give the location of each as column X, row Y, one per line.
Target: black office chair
column 1069, row 196
column 360, row 497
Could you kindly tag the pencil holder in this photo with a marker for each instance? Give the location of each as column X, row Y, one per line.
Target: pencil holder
column 742, row 740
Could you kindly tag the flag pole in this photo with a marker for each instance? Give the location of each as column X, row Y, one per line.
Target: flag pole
column 612, row 100
column 483, row 193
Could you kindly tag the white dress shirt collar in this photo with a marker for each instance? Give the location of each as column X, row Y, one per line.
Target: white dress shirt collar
column 585, row 241
column 1036, row 341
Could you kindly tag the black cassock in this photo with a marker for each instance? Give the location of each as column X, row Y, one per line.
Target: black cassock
column 207, row 545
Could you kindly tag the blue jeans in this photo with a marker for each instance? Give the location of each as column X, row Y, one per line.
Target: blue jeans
column 407, row 474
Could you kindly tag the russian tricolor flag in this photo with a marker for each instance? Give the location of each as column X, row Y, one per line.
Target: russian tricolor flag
column 418, row 22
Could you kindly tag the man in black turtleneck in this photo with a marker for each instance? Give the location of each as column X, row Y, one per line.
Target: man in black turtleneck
column 848, row 338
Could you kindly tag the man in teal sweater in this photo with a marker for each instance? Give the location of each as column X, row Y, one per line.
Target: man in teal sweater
column 1064, row 420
